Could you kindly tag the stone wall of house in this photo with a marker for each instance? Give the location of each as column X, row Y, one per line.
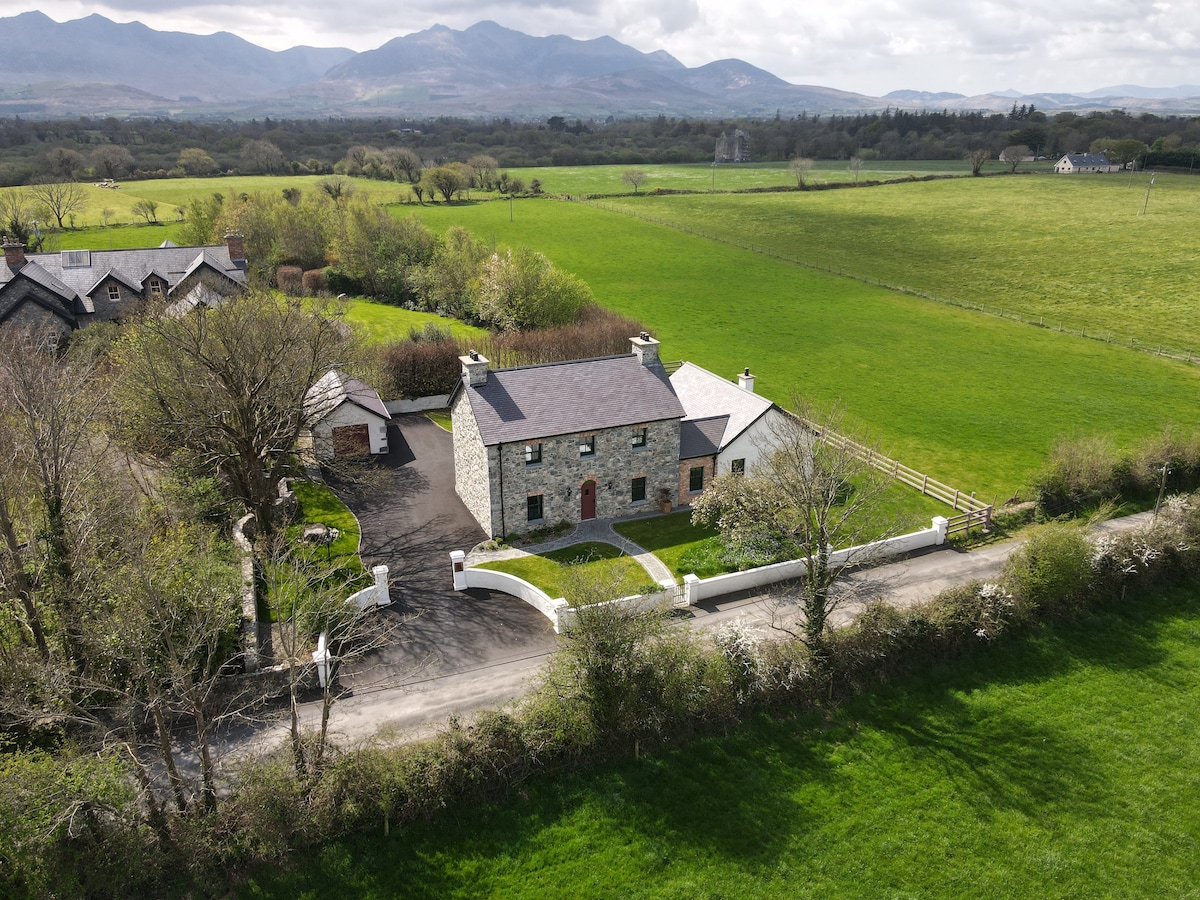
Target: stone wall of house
column 29, row 314
column 684, row 497
column 471, row 475
column 560, row 476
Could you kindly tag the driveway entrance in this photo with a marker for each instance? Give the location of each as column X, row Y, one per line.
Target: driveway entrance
column 410, row 521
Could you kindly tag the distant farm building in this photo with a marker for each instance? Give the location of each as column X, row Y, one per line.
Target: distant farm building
column 733, row 148
column 1078, row 163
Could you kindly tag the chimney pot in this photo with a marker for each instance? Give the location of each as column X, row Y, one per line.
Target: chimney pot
column 645, row 348
column 14, row 253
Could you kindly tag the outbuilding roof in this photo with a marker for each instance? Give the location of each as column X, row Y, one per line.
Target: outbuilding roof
column 532, row 402
column 705, row 396
column 701, row 437
column 333, row 389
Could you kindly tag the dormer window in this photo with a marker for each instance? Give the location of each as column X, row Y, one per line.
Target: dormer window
column 533, row 454
column 156, row 287
column 639, row 437
column 114, row 293
column 587, row 445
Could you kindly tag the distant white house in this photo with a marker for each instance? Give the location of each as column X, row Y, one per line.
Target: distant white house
column 1079, row 163
column 345, row 417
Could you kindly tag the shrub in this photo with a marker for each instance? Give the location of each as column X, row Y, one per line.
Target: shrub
column 420, row 368
column 314, row 282
column 290, row 279
column 1051, row 571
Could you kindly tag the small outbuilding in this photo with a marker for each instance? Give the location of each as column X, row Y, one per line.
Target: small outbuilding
column 346, row 417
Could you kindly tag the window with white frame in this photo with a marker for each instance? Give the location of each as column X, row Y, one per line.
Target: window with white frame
column 114, row 293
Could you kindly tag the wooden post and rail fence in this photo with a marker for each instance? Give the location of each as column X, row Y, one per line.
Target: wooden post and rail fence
column 972, row 512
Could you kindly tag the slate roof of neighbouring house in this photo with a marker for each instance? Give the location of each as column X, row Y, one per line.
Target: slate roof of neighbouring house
column 333, row 389
column 701, row 437
column 543, row 401
column 131, row 267
column 705, row 395
column 1086, row 160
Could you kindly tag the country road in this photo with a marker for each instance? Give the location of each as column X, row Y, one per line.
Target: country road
column 420, row 705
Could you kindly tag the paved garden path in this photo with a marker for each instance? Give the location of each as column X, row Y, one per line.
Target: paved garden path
column 598, row 530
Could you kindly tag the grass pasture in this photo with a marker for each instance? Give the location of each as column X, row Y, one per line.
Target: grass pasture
column 973, row 400
column 1056, row 765
column 581, row 573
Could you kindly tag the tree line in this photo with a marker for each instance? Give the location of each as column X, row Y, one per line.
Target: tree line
column 32, row 150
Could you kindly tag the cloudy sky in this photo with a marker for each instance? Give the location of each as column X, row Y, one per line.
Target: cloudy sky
column 869, row 46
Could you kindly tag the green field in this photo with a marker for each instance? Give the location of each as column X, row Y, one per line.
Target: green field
column 381, row 322
column 973, row 400
column 1060, row 765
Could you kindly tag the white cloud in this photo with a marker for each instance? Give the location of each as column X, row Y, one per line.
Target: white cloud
column 870, row 46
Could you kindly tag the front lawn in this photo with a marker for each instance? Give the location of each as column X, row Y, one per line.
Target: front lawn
column 584, row 573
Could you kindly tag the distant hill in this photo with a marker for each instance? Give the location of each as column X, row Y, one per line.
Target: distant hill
column 98, row 67
column 166, row 64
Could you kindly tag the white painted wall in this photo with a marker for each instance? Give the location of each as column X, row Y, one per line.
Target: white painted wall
column 349, row 414
column 491, row 580
column 748, row 444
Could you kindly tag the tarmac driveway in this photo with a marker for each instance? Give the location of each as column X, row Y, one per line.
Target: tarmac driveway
column 411, row 519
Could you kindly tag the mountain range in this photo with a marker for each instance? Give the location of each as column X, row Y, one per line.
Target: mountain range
column 94, row 66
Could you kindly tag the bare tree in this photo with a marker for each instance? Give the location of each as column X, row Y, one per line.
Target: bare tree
column 405, row 164
column 856, row 165
column 226, row 386
column 112, row 160
column 1013, row 155
column 635, row 178
column 262, row 157
column 801, row 168
column 484, row 167
column 977, row 158
column 59, row 199
column 812, row 492
column 147, row 210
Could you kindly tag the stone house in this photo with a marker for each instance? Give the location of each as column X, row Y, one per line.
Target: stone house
column 595, row 438
column 566, row 441
column 345, row 417
column 74, row 288
column 1077, row 163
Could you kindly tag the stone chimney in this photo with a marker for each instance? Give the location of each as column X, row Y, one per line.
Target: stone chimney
column 14, row 253
column 645, row 348
column 746, row 381
column 237, row 250
column 475, row 367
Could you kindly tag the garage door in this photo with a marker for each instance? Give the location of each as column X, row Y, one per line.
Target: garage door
column 351, row 440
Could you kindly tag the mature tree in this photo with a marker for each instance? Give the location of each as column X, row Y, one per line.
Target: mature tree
column 261, row 158
column 977, row 158
column 196, row 162
column 224, row 388
column 445, row 180
column 16, row 218
column 812, row 492
column 801, row 168
column 146, row 210
column 1013, row 155
column 200, row 225
column 522, row 289
column 404, row 163
column 449, row 283
column 1119, row 152
column 635, row 178
column 484, row 168
column 112, row 161
column 379, row 251
column 60, row 199
column 64, row 164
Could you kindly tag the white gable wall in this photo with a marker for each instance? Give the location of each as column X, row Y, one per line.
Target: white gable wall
column 349, row 414
column 748, row 445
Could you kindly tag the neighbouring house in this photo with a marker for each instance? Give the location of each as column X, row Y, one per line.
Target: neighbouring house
column 724, row 429
column 1078, row 163
column 74, row 288
column 345, row 417
column 732, row 147
column 594, row 438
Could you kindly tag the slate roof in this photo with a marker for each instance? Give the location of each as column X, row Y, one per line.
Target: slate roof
column 130, row 266
column 333, row 389
column 543, row 401
column 1086, row 160
column 705, row 396
column 701, row 437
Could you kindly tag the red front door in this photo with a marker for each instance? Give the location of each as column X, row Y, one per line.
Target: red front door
column 587, row 500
